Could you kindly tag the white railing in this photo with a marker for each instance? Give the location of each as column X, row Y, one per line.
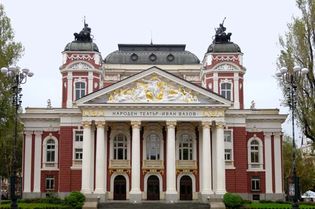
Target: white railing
column 153, row 164
column 186, row 164
column 119, row 164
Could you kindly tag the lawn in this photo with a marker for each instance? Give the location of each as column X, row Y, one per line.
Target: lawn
column 35, row 205
column 276, row 205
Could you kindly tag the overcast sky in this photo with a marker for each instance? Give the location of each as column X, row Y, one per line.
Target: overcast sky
column 45, row 27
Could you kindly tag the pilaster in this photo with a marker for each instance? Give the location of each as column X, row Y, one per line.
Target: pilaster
column 86, row 160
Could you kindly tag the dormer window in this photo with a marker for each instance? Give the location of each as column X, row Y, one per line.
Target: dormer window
column 79, row 89
column 226, row 90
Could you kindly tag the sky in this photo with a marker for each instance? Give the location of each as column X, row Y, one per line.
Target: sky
column 45, row 27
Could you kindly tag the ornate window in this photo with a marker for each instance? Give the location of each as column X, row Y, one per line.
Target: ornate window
column 50, row 152
column 153, row 147
column 255, row 153
column 77, row 148
column 228, row 145
column 226, row 90
column 185, row 147
column 255, row 184
column 79, row 89
column 120, row 147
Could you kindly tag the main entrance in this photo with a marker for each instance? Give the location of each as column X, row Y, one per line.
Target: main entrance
column 185, row 188
column 120, row 188
column 153, row 188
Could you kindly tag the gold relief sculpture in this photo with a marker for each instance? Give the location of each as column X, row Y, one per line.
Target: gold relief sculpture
column 213, row 113
column 153, row 90
column 93, row 113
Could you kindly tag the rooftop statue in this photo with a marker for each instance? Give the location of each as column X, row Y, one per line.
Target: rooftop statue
column 84, row 35
column 220, row 35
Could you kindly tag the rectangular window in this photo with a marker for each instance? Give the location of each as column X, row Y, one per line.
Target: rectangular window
column 255, row 182
column 78, row 153
column 79, row 136
column 228, row 154
column 227, row 136
column 50, row 183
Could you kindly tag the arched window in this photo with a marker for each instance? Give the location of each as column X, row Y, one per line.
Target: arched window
column 185, row 147
column 153, row 147
column 255, row 153
column 120, row 147
column 79, row 90
column 50, row 152
column 226, row 90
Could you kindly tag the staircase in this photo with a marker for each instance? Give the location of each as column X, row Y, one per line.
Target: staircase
column 153, row 205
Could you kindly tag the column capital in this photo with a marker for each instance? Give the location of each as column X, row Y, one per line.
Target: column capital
column 100, row 124
column 86, row 124
column 219, row 124
column 268, row 134
column 135, row 124
column 28, row 133
column 171, row 124
column 38, row 132
column 206, row 124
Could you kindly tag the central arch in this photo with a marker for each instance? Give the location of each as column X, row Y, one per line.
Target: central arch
column 185, row 188
column 153, row 188
column 120, row 188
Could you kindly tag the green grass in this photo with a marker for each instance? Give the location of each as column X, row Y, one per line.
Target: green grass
column 275, row 205
column 34, row 205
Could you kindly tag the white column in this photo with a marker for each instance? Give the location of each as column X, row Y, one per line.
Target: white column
column 236, row 91
column 90, row 82
column 277, row 162
column 69, row 88
column 206, row 187
column 215, row 83
column 100, row 173
column 268, row 163
column 86, row 160
column 135, row 193
column 219, row 159
column 200, row 155
column 27, row 161
column 37, row 161
column 171, row 193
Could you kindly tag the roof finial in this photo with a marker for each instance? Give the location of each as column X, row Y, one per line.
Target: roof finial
column 151, row 37
column 84, row 21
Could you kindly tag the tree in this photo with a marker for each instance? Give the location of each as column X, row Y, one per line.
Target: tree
column 304, row 166
column 10, row 52
column 298, row 49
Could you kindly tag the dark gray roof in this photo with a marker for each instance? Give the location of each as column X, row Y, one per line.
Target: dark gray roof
column 81, row 46
column 224, row 47
column 157, row 54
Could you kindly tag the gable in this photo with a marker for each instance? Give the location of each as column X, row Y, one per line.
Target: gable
column 153, row 86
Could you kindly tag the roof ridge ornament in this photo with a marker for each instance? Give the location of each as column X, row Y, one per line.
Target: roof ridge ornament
column 220, row 34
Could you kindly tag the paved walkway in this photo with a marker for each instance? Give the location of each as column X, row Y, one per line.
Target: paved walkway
column 153, row 205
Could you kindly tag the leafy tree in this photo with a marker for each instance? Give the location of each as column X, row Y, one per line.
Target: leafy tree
column 304, row 166
column 10, row 52
column 298, row 49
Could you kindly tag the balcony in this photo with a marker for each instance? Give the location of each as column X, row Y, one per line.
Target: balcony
column 186, row 164
column 153, row 164
column 49, row 166
column 119, row 164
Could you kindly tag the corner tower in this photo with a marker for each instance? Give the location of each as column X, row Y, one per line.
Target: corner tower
column 222, row 71
column 81, row 68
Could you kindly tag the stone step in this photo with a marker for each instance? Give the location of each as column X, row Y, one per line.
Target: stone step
column 153, row 205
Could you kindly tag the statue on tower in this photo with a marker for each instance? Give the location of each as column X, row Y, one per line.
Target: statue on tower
column 220, row 35
column 84, row 35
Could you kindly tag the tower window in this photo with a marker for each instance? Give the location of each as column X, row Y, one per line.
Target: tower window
column 226, row 90
column 79, row 90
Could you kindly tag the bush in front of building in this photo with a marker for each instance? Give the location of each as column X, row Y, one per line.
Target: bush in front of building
column 232, row 201
column 75, row 200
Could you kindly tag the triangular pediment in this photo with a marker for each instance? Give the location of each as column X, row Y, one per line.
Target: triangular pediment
column 153, row 86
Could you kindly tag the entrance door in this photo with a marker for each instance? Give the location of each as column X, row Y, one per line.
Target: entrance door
column 120, row 188
column 153, row 189
column 185, row 188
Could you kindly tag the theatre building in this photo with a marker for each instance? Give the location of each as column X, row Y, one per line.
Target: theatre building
column 153, row 122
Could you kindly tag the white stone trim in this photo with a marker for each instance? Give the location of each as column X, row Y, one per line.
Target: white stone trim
column 69, row 90
column 236, row 91
column 112, row 178
column 37, row 161
column 27, row 161
column 45, row 150
column 90, row 82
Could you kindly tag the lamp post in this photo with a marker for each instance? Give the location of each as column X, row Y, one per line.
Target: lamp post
column 290, row 80
column 19, row 77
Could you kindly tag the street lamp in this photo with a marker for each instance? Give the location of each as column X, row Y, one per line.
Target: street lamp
column 290, row 80
column 19, row 77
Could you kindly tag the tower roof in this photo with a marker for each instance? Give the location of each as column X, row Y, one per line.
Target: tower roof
column 157, row 54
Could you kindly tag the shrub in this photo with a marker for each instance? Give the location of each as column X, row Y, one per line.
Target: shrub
column 232, row 201
column 75, row 200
